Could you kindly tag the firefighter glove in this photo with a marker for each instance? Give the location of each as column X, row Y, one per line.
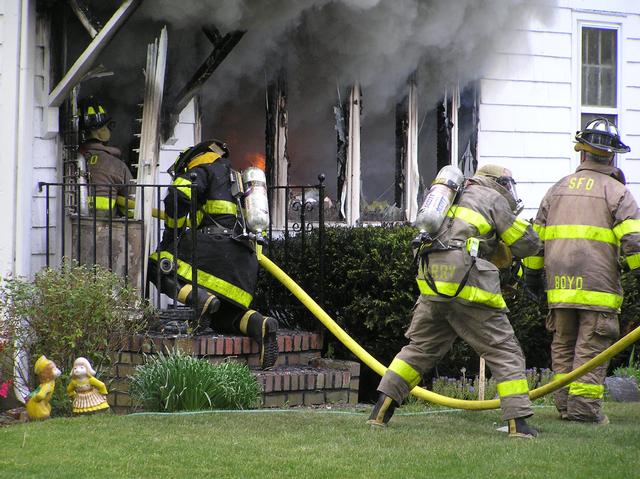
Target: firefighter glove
column 533, row 284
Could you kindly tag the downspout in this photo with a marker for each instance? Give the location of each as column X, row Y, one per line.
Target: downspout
column 22, row 176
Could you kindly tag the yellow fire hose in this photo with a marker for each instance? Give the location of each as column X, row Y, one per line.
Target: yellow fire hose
column 419, row 392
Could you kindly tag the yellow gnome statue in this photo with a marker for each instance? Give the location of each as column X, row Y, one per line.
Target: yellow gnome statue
column 88, row 393
column 38, row 406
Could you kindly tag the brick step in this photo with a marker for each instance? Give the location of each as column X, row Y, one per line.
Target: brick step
column 296, row 347
column 300, row 377
column 323, row 381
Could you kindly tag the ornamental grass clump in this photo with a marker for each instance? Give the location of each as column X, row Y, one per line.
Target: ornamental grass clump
column 178, row 382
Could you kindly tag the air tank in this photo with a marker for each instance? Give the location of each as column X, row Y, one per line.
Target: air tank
column 256, row 201
column 439, row 199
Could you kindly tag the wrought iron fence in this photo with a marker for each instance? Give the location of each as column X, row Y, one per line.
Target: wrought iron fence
column 120, row 242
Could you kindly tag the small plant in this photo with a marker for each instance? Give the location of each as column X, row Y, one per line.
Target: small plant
column 178, row 382
column 72, row 311
column 632, row 370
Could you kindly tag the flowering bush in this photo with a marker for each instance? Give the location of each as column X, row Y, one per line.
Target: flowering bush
column 4, row 388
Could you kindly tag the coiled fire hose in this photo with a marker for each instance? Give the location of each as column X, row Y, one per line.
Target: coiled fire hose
column 422, row 393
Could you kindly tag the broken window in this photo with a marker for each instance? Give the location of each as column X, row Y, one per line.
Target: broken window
column 599, row 67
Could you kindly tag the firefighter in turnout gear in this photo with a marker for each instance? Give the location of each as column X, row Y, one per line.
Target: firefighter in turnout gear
column 460, row 295
column 585, row 221
column 103, row 163
column 227, row 266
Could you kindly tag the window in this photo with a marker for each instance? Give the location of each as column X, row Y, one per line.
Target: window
column 599, row 74
column 599, row 62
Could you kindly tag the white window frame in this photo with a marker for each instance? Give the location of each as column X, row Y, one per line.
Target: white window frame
column 603, row 21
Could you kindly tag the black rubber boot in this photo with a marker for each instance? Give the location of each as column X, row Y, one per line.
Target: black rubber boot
column 382, row 411
column 264, row 330
column 518, row 427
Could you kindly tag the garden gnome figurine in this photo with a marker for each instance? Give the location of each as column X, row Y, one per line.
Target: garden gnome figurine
column 38, row 406
column 88, row 393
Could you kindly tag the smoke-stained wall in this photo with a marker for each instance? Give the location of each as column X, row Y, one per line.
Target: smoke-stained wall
column 324, row 45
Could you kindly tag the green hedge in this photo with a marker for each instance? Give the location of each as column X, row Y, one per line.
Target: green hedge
column 370, row 290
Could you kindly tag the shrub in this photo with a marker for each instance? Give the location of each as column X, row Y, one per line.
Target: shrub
column 69, row 312
column 178, row 382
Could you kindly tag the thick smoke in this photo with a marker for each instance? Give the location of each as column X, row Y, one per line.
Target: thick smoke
column 324, row 46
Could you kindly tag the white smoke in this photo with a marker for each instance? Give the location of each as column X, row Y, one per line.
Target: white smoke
column 325, row 45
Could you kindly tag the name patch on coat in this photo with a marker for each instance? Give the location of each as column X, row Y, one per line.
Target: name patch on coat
column 567, row 282
column 442, row 272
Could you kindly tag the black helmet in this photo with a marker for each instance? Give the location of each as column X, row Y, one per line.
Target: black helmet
column 93, row 116
column 602, row 135
column 215, row 146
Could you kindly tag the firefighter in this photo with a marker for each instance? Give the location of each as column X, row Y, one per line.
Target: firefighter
column 103, row 163
column 460, row 296
column 227, row 266
column 585, row 221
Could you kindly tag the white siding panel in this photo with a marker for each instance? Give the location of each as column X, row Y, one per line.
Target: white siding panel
column 184, row 132
column 530, row 68
column 39, row 242
column 39, row 212
column 530, row 145
column 533, row 170
column 631, row 123
column 558, row 20
column 525, row 118
column 540, row 43
column 500, row 92
column 44, row 153
column 631, row 74
column 631, row 51
column 631, row 97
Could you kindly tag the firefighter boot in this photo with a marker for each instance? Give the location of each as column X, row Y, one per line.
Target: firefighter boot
column 382, row 411
column 205, row 304
column 263, row 330
column 518, row 427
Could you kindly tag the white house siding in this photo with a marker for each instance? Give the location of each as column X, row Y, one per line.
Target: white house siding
column 46, row 154
column 530, row 96
column 9, row 55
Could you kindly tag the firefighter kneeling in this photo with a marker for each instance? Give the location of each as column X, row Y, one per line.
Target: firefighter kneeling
column 460, row 290
column 227, row 266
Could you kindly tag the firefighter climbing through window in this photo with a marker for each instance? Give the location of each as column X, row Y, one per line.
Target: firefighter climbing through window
column 227, row 266
column 461, row 230
column 102, row 162
column 586, row 220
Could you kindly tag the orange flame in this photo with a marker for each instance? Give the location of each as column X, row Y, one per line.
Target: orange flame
column 256, row 159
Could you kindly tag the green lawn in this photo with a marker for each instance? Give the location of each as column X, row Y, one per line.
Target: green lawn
column 319, row 444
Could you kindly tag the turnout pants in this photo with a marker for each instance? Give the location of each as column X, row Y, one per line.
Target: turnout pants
column 433, row 329
column 578, row 336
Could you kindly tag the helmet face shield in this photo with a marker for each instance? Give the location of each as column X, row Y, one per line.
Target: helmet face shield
column 508, row 184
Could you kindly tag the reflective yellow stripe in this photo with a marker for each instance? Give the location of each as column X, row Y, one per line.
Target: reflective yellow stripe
column 183, row 185
column 537, row 228
column 102, row 202
column 469, row 216
column 514, row 232
column 592, row 233
column 593, row 391
column 244, row 321
column 220, row 207
column 209, row 281
column 91, row 111
column 469, row 293
column 203, row 159
column 533, row 262
column 171, row 223
column 406, row 372
column 634, row 261
column 627, row 227
column 184, row 292
column 513, row 387
column 581, row 296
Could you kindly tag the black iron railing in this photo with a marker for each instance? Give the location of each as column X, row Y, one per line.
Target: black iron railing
column 117, row 241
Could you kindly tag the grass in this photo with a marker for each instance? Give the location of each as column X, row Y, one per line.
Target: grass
column 319, row 444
